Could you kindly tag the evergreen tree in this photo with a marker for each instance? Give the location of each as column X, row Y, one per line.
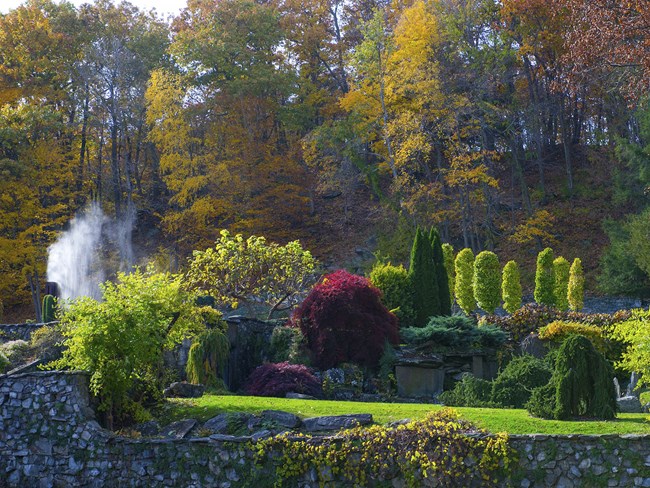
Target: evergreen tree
column 424, row 281
column 487, row 281
column 448, row 253
column 444, row 292
column 511, row 287
column 545, row 278
column 576, row 287
column 464, row 266
column 561, row 273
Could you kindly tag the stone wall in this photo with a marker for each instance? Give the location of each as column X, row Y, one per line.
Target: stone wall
column 582, row 460
column 12, row 332
column 48, row 437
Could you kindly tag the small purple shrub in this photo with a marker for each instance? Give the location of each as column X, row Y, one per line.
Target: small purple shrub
column 278, row 379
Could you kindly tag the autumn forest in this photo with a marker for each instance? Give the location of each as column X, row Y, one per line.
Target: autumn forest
column 511, row 125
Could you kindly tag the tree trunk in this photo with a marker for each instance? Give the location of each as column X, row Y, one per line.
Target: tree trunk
column 35, row 288
column 566, row 142
column 82, row 149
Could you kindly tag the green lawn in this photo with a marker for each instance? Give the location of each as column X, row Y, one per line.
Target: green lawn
column 494, row 420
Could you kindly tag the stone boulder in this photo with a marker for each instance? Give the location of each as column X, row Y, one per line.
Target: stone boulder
column 336, row 422
column 629, row 404
column 283, row 419
column 299, row 396
column 148, row 429
column 218, row 424
column 182, row 389
column 534, row 346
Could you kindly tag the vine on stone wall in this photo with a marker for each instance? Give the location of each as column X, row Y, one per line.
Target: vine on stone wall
column 437, row 451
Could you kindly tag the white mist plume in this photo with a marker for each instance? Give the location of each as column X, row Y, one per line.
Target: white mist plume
column 80, row 259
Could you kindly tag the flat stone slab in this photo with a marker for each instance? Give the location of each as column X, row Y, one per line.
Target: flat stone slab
column 336, row 422
column 284, row 419
column 218, row 424
column 299, row 396
column 180, row 429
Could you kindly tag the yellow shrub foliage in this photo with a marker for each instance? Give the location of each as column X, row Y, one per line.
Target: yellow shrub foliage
column 559, row 330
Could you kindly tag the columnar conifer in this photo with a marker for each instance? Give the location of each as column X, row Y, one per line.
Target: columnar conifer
column 464, row 266
column 424, row 280
column 511, row 287
column 576, row 288
column 487, row 281
column 448, row 254
column 561, row 273
column 545, row 278
column 444, row 293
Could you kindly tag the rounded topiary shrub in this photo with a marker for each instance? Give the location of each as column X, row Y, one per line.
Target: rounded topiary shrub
column 486, row 281
column 513, row 386
column 463, row 290
column 343, row 320
column 278, row 379
column 395, row 285
column 511, row 287
column 545, row 278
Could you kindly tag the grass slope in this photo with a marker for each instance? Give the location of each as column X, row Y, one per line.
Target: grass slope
column 492, row 419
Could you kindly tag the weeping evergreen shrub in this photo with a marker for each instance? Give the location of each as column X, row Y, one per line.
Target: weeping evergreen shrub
column 581, row 385
column 207, row 358
column 444, row 292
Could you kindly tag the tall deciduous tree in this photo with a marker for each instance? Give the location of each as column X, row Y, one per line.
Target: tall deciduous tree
column 238, row 270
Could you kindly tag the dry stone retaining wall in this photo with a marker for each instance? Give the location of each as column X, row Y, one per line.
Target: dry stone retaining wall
column 48, row 437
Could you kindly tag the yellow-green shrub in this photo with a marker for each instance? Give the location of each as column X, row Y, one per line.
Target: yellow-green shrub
column 511, row 287
column 576, row 287
column 560, row 290
column 397, row 294
column 464, row 267
column 559, row 330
